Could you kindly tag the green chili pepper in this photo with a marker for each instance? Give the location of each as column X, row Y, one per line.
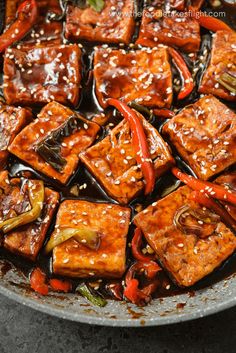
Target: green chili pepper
column 36, row 197
column 87, row 237
column 97, row 5
column 86, row 292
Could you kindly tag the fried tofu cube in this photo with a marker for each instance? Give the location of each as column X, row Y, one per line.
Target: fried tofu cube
column 110, row 221
column 175, row 30
column 44, row 33
column 223, row 60
column 26, row 240
column 188, row 250
column 113, row 24
column 112, row 161
column 43, row 74
column 143, row 76
column 204, row 135
column 57, row 129
column 12, row 121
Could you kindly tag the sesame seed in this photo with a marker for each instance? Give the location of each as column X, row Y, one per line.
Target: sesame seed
column 180, row 245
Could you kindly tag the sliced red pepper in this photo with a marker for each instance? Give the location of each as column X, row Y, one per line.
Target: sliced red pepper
column 213, row 190
column 27, row 16
column 139, row 142
column 187, row 84
column 60, row 286
column 164, row 113
column 132, row 291
column 136, row 245
column 206, row 201
column 211, row 23
column 116, row 290
column 134, row 294
column 38, row 281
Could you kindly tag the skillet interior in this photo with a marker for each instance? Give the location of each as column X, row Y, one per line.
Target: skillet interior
column 182, row 307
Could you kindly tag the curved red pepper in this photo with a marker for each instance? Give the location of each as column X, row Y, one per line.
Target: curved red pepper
column 27, row 16
column 164, row 113
column 116, row 290
column 206, row 201
column 135, row 247
column 60, row 286
column 211, row 23
column 213, row 190
column 139, row 142
column 188, row 84
column 132, row 291
column 38, row 281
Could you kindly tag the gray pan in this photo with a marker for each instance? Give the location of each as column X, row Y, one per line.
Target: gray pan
column 220, row 296
column 217, row 297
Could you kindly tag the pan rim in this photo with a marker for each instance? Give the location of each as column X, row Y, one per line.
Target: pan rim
column 46, row 308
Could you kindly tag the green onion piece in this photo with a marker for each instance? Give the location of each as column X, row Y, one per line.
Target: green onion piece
column 97, row 5
column 87, row 237
column 36, row 197
column 86, row 292
column 229, row 78
column 228, row 81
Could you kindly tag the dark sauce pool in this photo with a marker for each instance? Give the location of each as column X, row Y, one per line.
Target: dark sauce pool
column 94, row 193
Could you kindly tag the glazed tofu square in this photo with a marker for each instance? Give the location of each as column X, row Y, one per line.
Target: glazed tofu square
column 113, row 24
column 189, row 249
column 112, row 161
column 43, row 74
column 44, row 33
column 26, row 240
column 51, row 144
column 173, row 30
column 110, row 221
column 222, row 63
column 143, row 76
column 12, row 121
column 204, row 135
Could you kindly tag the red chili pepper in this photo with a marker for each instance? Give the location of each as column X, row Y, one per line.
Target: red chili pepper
column 116, row 289
column 213, row 190
column 164, row 113
column 60, row 286
column 206, row 201
column 139, row 142
column 27, row 16
column 135, row 246
column 38, row 281
column 132, row 292
column 211, row 23
column 187, row 84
